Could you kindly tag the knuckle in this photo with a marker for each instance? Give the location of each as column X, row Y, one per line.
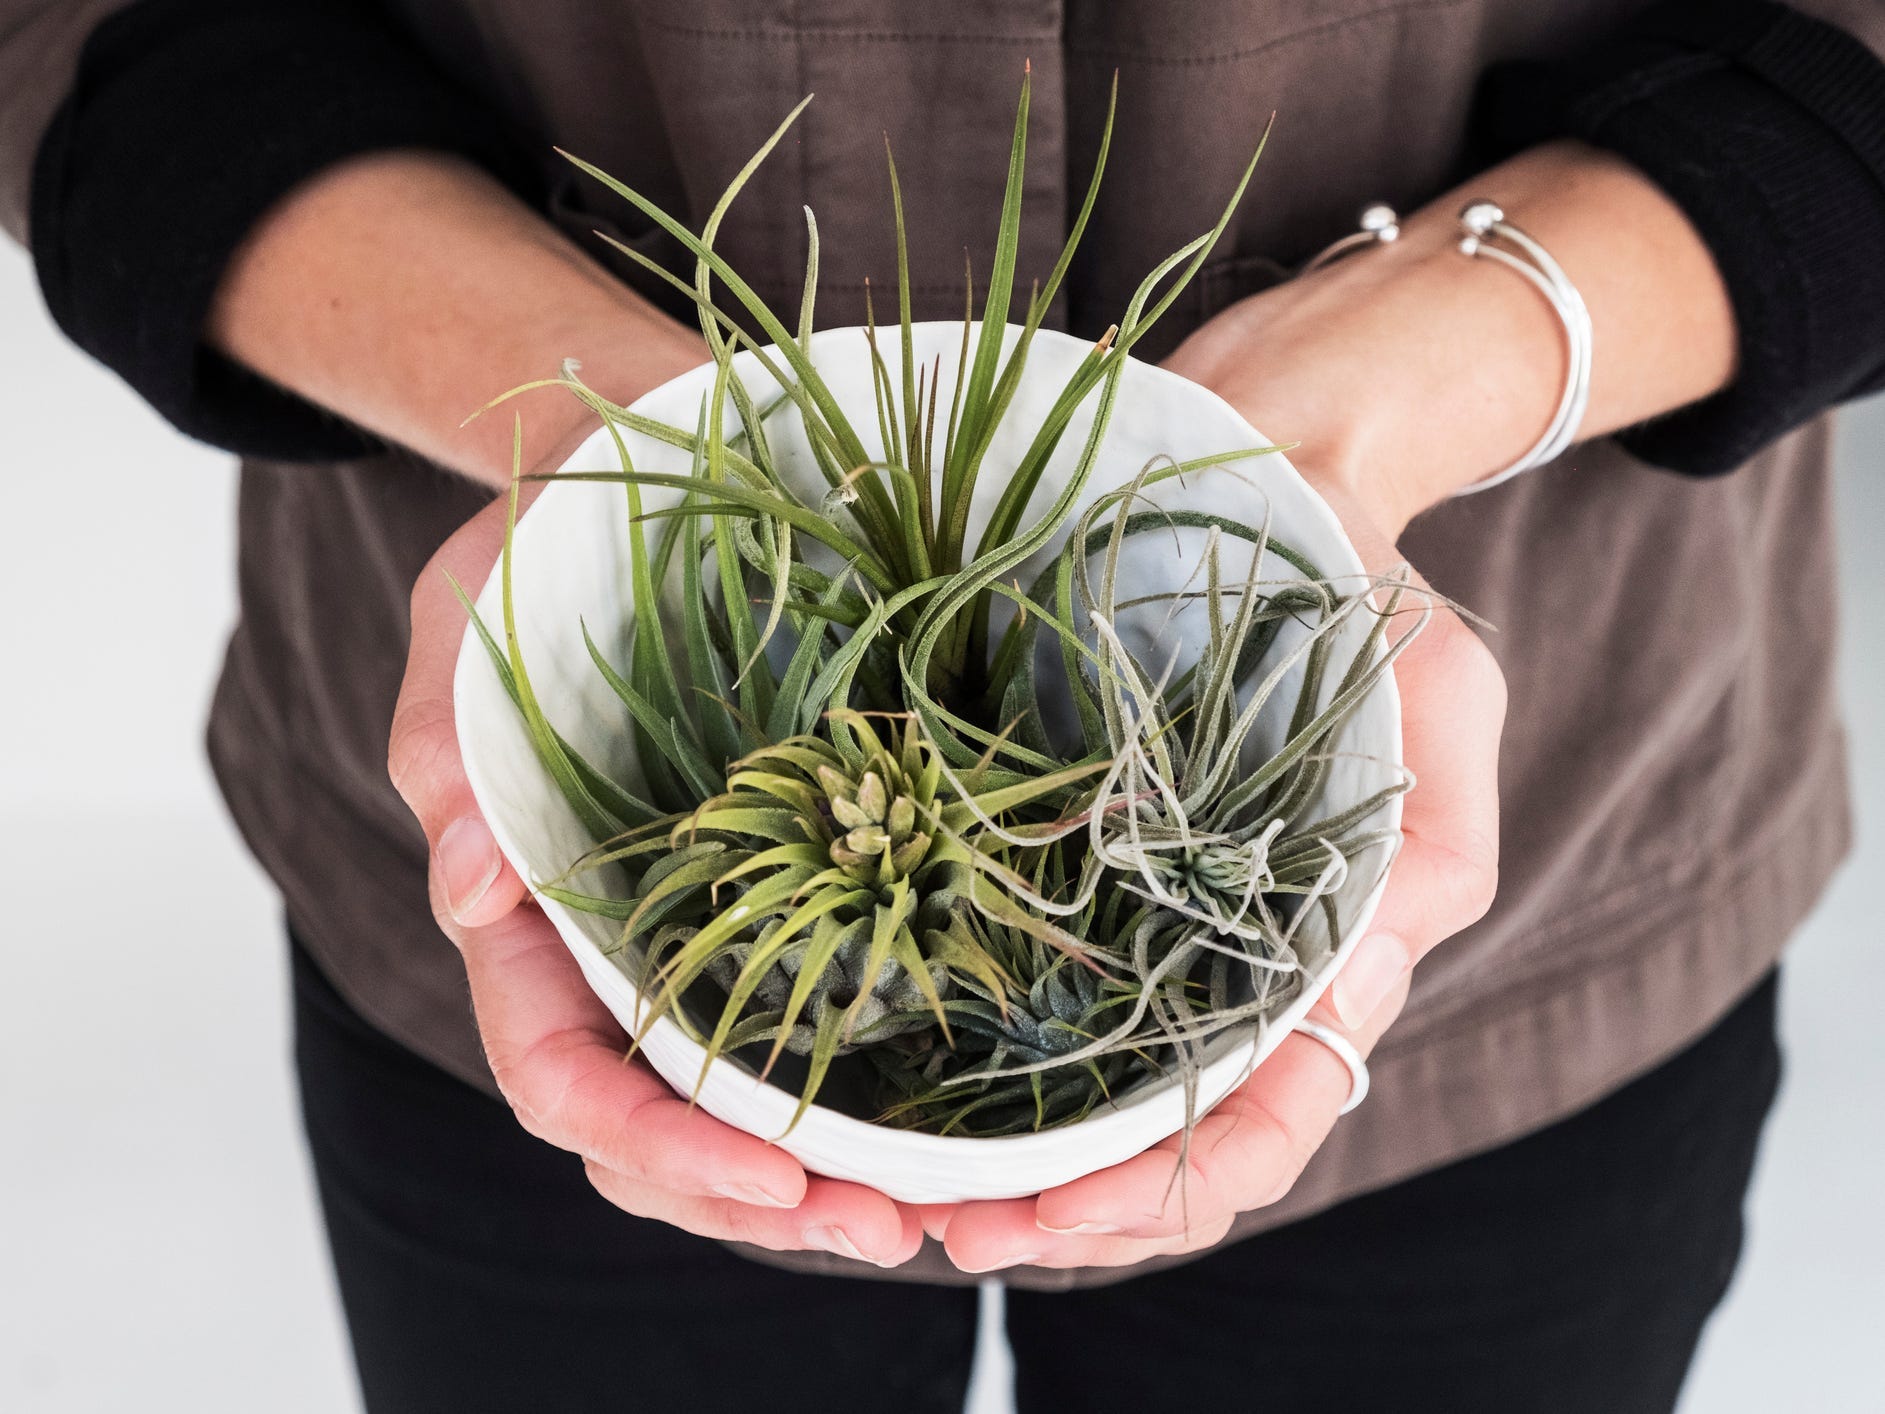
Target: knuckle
column 1465, row 891
column 739, row 1223
column 626, row 1196
column 1482, row 889
column 1475, row 855
column 1275, row 1186
column 632, row 1145
column 1267, row 1156
column 422, row 741
column 603, row 1181
column 1452, row 640
column 1243, row 1163
column 505, row 1073
column 527, row 1117
column 554, row 1117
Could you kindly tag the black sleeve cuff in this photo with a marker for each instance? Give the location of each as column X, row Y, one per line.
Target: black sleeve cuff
column 1768, row 128
column 188, row 120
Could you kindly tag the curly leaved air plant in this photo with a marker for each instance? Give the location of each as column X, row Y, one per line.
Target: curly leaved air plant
column 1220, row 851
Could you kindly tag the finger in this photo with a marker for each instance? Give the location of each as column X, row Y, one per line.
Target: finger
column 557, row 1054
column 472, row 882
column 991, row 1237
column 1452, row 715
column 935, row 1217
column 1447, row 871
column 841, row 1218
column 1247, row 1153
column 1385, row 1011
column 556, row 1051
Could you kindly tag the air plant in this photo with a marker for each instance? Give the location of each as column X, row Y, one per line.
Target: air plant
column 831, row 856
column 1040, row 1005
column 854, row 833
column 1199, row 856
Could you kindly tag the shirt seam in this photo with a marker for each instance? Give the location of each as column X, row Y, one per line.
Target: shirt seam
column 1085, row 51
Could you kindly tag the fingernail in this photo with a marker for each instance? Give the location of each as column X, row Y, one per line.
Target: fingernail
column 752, row 1193
column 1082, row 1229
column 837, row 1240
column 1020, row 1261
column 468, row 861
column 1364, row 983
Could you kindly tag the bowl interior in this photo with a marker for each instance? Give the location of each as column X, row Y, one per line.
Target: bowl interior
column 571, row 570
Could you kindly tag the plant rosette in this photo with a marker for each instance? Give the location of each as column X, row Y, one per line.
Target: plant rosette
column 572, row 554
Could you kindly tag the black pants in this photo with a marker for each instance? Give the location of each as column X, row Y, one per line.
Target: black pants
column 1571, row 1271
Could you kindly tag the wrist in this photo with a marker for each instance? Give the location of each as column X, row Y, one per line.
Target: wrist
column 402, row 290
column 1410, row 371
column 1403, row 373
column 620, row 353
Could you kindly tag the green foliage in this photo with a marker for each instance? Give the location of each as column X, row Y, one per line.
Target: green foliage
column 854, row 835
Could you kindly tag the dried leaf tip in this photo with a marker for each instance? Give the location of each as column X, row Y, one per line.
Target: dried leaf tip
column 1106, row 340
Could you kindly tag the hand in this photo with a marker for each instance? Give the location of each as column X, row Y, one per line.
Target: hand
column 1408, row 371
column 340, row 293
column 557, row 1053
column 1250, row 1149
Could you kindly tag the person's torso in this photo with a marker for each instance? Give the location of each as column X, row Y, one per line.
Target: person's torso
column 1652, row 664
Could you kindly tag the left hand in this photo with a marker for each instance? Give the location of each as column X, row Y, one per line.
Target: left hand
column 556, row 1053
column 1248, row 1151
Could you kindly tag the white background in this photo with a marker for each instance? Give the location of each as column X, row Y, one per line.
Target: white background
column 159, row 1248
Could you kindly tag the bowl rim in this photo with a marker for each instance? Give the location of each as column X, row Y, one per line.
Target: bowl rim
column 821, row 1129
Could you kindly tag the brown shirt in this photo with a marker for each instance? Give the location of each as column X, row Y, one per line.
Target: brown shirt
column 1672, row 779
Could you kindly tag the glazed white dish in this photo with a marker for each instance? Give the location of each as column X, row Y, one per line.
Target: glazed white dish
column 571, row 569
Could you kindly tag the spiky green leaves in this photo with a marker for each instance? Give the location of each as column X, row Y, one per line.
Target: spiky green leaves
column 1039, row 1006
column 844, row 863
column 854, row 835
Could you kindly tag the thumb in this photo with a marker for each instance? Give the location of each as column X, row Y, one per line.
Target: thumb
column 472, row 885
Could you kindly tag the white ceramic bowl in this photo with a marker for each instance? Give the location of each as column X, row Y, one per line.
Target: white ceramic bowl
column 571, row 569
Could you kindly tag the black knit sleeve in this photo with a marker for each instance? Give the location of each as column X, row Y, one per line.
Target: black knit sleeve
column 188, row 120
column 1768, row 128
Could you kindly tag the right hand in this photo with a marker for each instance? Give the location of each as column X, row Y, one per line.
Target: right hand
column 557, row 1053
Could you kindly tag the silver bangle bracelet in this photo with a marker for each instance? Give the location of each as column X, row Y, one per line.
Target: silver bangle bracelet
column 1379, row 225
column 1487, row 235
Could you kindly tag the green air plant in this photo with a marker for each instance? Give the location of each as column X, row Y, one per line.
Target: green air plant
column 831, row 858
column 853, row 833
column 1045, row 1036
column 1039, row 1005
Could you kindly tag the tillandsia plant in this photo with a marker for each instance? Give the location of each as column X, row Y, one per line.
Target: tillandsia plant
column 854, row 834
column 1197, row 857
